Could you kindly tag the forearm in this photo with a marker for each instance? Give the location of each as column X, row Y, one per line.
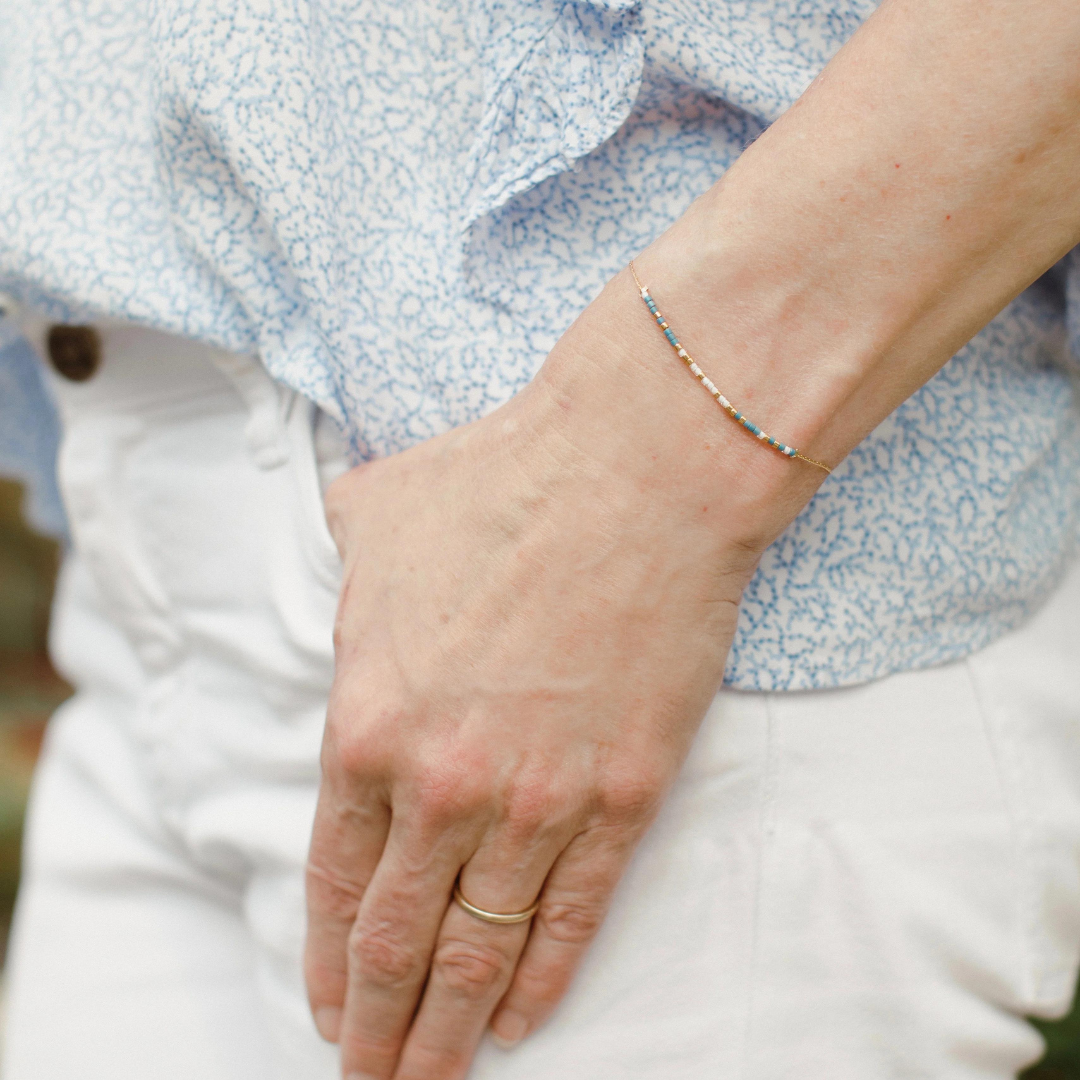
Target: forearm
column 927, row 177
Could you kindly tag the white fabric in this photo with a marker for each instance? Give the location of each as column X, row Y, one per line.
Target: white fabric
column 871, row 883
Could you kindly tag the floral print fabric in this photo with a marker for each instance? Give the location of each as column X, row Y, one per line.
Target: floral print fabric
column 400, row 207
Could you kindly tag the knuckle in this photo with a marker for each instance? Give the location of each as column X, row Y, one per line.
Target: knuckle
column 532, row 806
column 344, row 746
column 354, row 756
column 469, row 969
column 630, row 795
column 382, row 958
column 570, row 923
column 538, row 989
column 356, row 741
column 447, row 793
column 330, row 897
column 377, row 1050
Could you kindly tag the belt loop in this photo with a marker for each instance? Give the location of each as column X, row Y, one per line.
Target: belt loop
column 268, row 404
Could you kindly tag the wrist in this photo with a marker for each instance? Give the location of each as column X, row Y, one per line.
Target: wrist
column 779, row 318
column 614, row 394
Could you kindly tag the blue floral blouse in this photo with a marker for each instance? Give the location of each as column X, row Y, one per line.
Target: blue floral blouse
column 401, row 206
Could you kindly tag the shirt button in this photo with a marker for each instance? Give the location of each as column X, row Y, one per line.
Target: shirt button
column 75, row 351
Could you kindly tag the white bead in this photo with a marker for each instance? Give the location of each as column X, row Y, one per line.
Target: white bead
column 709, row 384
column 644, row 291
column 724, row 401
column 762, row 435
column 682, row 352
column 695, row 369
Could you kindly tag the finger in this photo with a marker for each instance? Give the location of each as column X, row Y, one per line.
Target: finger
column 391, row 942
column 474, row 960
column 347, row 840
column 471, row 968
column 575, row 900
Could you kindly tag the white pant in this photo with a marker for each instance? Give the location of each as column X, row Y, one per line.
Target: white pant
column 861, row 884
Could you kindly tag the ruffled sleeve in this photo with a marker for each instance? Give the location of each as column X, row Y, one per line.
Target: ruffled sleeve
column 559, row 79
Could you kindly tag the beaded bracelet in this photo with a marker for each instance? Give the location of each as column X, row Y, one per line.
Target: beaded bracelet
column 673, row 341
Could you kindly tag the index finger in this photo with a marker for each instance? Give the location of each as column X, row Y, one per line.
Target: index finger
column 346, row 843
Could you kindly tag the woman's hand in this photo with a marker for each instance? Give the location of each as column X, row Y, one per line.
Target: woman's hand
column 537, row 608
column 527, row 641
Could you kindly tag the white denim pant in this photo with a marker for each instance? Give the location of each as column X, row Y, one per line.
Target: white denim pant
column 862, row 884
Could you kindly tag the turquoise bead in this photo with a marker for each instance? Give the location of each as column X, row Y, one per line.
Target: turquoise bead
column 788, row 451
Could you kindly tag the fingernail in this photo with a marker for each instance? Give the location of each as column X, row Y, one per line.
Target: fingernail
column 328, row 1021
column 508, row 1029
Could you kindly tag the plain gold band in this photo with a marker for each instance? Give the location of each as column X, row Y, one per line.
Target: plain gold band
column 494, row 916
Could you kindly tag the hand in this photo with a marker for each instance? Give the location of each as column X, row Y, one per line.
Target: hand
column 527, row 640
column 537, row 608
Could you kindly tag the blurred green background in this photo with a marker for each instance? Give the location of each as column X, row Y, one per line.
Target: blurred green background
column 30, row 689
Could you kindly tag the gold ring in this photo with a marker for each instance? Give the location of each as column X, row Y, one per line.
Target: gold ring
column 494, row 916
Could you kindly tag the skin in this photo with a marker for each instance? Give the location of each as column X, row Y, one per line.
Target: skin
column 537, row 607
